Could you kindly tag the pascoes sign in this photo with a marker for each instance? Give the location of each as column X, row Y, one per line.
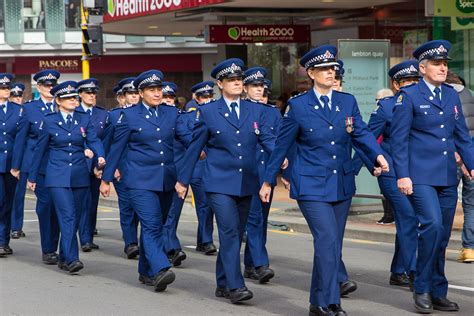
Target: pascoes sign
column 258, row 33
column 127, row 9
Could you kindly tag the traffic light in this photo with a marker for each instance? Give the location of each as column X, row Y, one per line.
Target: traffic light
column 93, row 40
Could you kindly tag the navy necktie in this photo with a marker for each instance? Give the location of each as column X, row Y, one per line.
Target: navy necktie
column 327, row 109
column 89, row 111
column 49, row 105
column 69, row 121
column 2, row 110
column 233, row 113
column 437, row 93
column 153, row 112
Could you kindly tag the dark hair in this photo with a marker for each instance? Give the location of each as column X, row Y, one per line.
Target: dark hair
column 453, row 78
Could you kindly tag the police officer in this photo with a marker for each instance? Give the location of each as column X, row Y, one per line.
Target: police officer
column 325, row 124
column 67, row 133
column 16, row 93
column 9, row 116
column 16, row 96
column 404, row 258
column 128, row 216
column 203, row 93
column 230, row 129
column 88, row 89
column 428, row 127
column 339, row 69
column 25, row 143
column 129, row 91
column 267, row 88
column 256, row 256
column 172, row 245
column 148, row 130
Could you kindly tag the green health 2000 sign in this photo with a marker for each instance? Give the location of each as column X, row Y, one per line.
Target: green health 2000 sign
column 258, row 34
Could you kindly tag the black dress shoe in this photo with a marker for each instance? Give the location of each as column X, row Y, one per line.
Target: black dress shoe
column 264, row 274
column 176, row 257
column 445, row 305
column 423, row 303
column 347, row 287
column 399, row 279
column 62, row 266
column 145, row 280
column 86, row 247
column 240, row 294
column 337, row 309
column 132, row 251
column 50, row 258
column 94, row 246
column 75, row 266
column 222, row 292
column 17, row 234
column 208, row 248
column 96, row 232
column 319, row 311
column 9, row 250
column 162, row 279
column 4, row 251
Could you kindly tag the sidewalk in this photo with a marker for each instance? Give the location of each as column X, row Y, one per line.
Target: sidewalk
column 361, row 223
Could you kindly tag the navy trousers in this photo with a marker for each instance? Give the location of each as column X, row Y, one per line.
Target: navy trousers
column 68, row 203
column 256, row 253
column 7, row 192
column 231, row 217
column 404, row 258
column 322, row 219
column 204, row 213
column 151, row 207
column 88, row 218
column 47, row 217
column 171, row 224
column 18, row 210
column 435, row 208
column 128, row 217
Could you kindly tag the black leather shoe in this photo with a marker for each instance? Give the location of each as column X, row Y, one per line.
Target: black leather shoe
column 222, row 292
column 337, row 309
column 86, row 247
column 423, row 303
column 208, row 248
column 96, row 232
column 250, row 273
column 4, row 251
column 145, row 280
column 162, row 279
column 347, row 287
column 132, row 251
column 62, row 266
column 75, row 266
column 17, row 234
column 315, row 310
column 176, row 257
column 240, row 294
column 399, row 280
column 264, row 274
column 94, row 246
column 8, row 250
column 445, row 305
column 50, row 258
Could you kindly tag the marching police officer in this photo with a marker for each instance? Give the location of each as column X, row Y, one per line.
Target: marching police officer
column 119, row 97
column 404, row 258
column 325, row 124
column 88, row 89
column 203, row 93
column 428, row 128
column 9, row 116
column 129, row 91
column 25, row 143
column 148, row 130
column 16, row 96
column 172, row 245
column 267, row 88
column 128, row 216
column 256, row 256
column 230, row 129
column 66, row 133
column 339, row 69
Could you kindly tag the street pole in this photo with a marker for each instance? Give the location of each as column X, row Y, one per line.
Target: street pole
column 85, row 61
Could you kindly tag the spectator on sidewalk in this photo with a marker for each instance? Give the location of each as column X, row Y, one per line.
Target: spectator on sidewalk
column 466, row 254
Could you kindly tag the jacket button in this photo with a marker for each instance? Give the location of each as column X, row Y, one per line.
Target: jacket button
column 261, row 150
column 162, row 164
column 334, row 171
column 68, row 134
column 5, row 142
column 161, row 153
column 240, row 157
column 158, row 129
column 263, row 162
column 4, row 133
column 6, row 151
column 330, row 127
column 441, row 113
column 70, row 154
column 445, row 152
column 70, row 164
column 444, row 139
column 159, row 140
column 239, row 144
column 310, row 129
column 442, row 126
column 240, row 170
column 334, row 157
column 70, row 144
column 237, row 132
column 332, row 143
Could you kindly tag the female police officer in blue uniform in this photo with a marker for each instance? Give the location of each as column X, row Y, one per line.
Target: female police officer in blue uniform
column 428, row 127
column 325, row 125
column 9, row 116
column 66, row 133
column 230, row 129
column 148, row 130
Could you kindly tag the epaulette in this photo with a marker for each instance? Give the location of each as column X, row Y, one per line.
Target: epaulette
column 29, row 101
column 408, row 86
column 191, row 109
column 99, row 107
column 270, row 105
column 298, row 95
column 116, row 109
column 52, row 113
column 447, row 85
column 343, row 92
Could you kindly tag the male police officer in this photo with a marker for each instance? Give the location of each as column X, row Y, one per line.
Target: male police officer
column 88, row 89
column 9, row 115
column 428, row 127
column 25, row 143
column 230, row 128
column 339, row 69
column 256, row 255
column 16, row 93
column 404, row 258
